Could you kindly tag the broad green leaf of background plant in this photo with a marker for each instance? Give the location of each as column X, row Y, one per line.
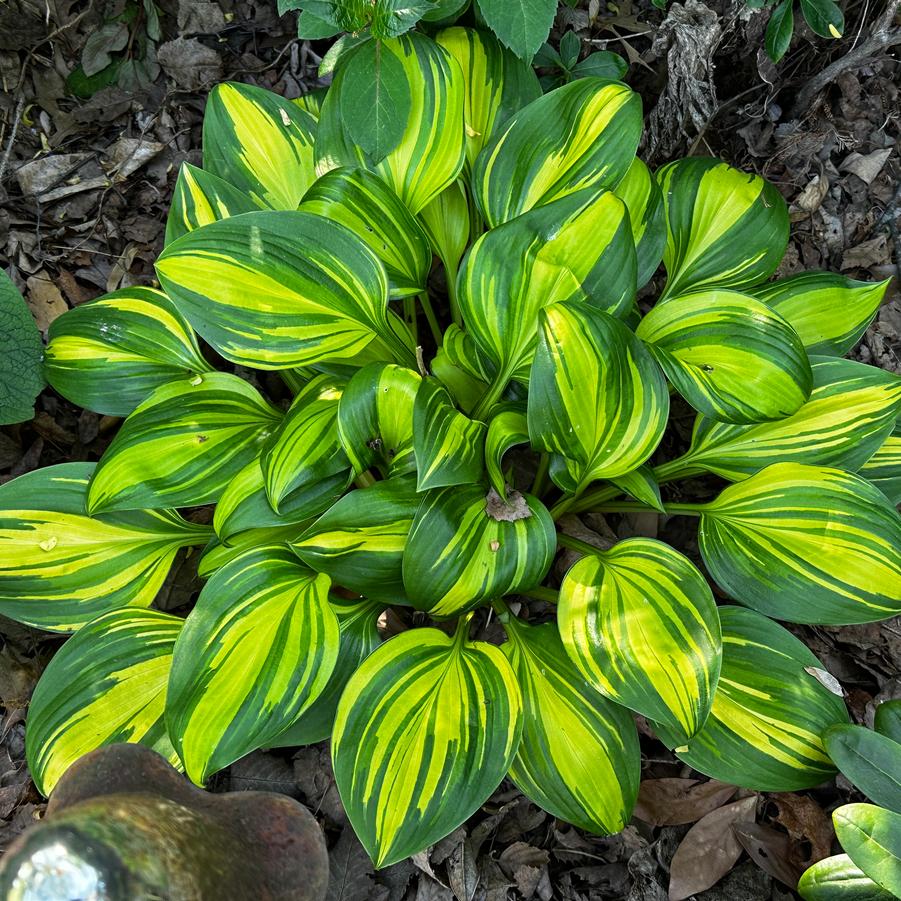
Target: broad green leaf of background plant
column 199, row 198
column 583, row 135
column 182, row 445
column 725, row 228
column 871, row 836
column 805, row 544
column 273, row 290
column 106, row 684
column 883, row 469
column 21, row 351
column 111, row 354
column 640, row 624
column 375, row 418
column 449, row 447
column 255, row 652
column 888, row 719
column 579, row 248
column 730, row 356
column 430, row 152
column 824, row 17
column 829, row 312
column 596, row 396
column 59, row 568
column 579, row 757
column 360, row 541
column 837, row 879
column 643, row 198
column 372, row 211
column 768, row 715
column 466, row 548
column 850, row 414
column 869, row 760
column 425, row 731
column 496, row 84
column 260, row 143
column 523, row 25
column 506, row 429
column 779, row 30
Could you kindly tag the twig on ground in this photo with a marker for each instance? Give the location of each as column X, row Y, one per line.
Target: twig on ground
column 7, row 151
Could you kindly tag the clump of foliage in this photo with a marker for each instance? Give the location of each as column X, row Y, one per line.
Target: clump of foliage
column 434, row 444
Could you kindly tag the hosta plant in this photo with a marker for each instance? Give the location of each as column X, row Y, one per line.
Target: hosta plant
column 457, row 324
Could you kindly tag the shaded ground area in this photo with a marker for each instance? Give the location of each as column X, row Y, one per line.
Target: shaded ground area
column 84, row 189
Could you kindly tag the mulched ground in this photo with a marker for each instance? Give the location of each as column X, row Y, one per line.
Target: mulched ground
column 84, row 190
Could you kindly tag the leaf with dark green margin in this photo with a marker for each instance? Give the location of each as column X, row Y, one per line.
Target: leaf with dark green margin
column 506, row 429
column 21, row 352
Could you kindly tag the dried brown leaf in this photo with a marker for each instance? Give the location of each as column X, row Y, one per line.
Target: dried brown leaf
column 772, row 851
column 673, row 802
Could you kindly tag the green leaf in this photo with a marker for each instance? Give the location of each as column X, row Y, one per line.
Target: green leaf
column 768, row 715
column 824, row 17
column 60, row 568
column 848, row 417
column 883, row 469
column 260, row 143
column 805, row 544
column 579, row 757
column 869, row 760
column 725, row 228
column 641, row 483
column 372, row 211
column 430, row 153
column 313, row 28
column 375, row 99
column 21, row 350
column 426, row 730
column 837, row 879
column 375, row 418
column 523, row 25
column 200, row 198
column 273, row 290
column 570, row 47
column 643, row 198
column 595, row 395
column 888, row 719
column 506, row 429
column 182, row 446
column 107, row 684
column 218, row 553
column 640, row 624
column 872, row 837
column 601, row 64
column 829, row 312
column 730, row 356
column 462, row 368
column 449, row 447
column 111, row 354
column 779, row 30
column 466, row 548
column 582, row 135
column 445, row 220
column 255, row 652
column 360, row 541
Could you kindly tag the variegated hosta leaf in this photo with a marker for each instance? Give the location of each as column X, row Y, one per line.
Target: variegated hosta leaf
column 425, row 731
column 849, row 415
column 578, row 248
column 765, row 728
column 496, row 83
column 106, row 684
column 306, row 449
column 217, row 553
column 360, row 541
column 883, row 469
column 199, row 198
column 506, row 429
column 805, row 544
column 579, row 757
column 640, row 623
column 642, row 484
column 582, row 135
column 182, row 446
column 273, row 290
column 596, row 396
column 462, row 368
column 872, row 837
column 725, row 228
column 869, row 760
column 375, row 418
column 643, row 198
column 311, row 102
column 431, row 151
column 465, row 548
column 372, row 211
column 730, row 356
column 445, row 220
column 829, row 312
column 112, row 353
column 260, row 143
column 255, row 652
column 837, row 879
column 357, row 623
column 60, row 568
column 449, row 447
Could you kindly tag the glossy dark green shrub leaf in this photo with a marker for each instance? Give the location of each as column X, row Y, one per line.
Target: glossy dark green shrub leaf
column 838, row 879
column 871, row 836
column 870, row 760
